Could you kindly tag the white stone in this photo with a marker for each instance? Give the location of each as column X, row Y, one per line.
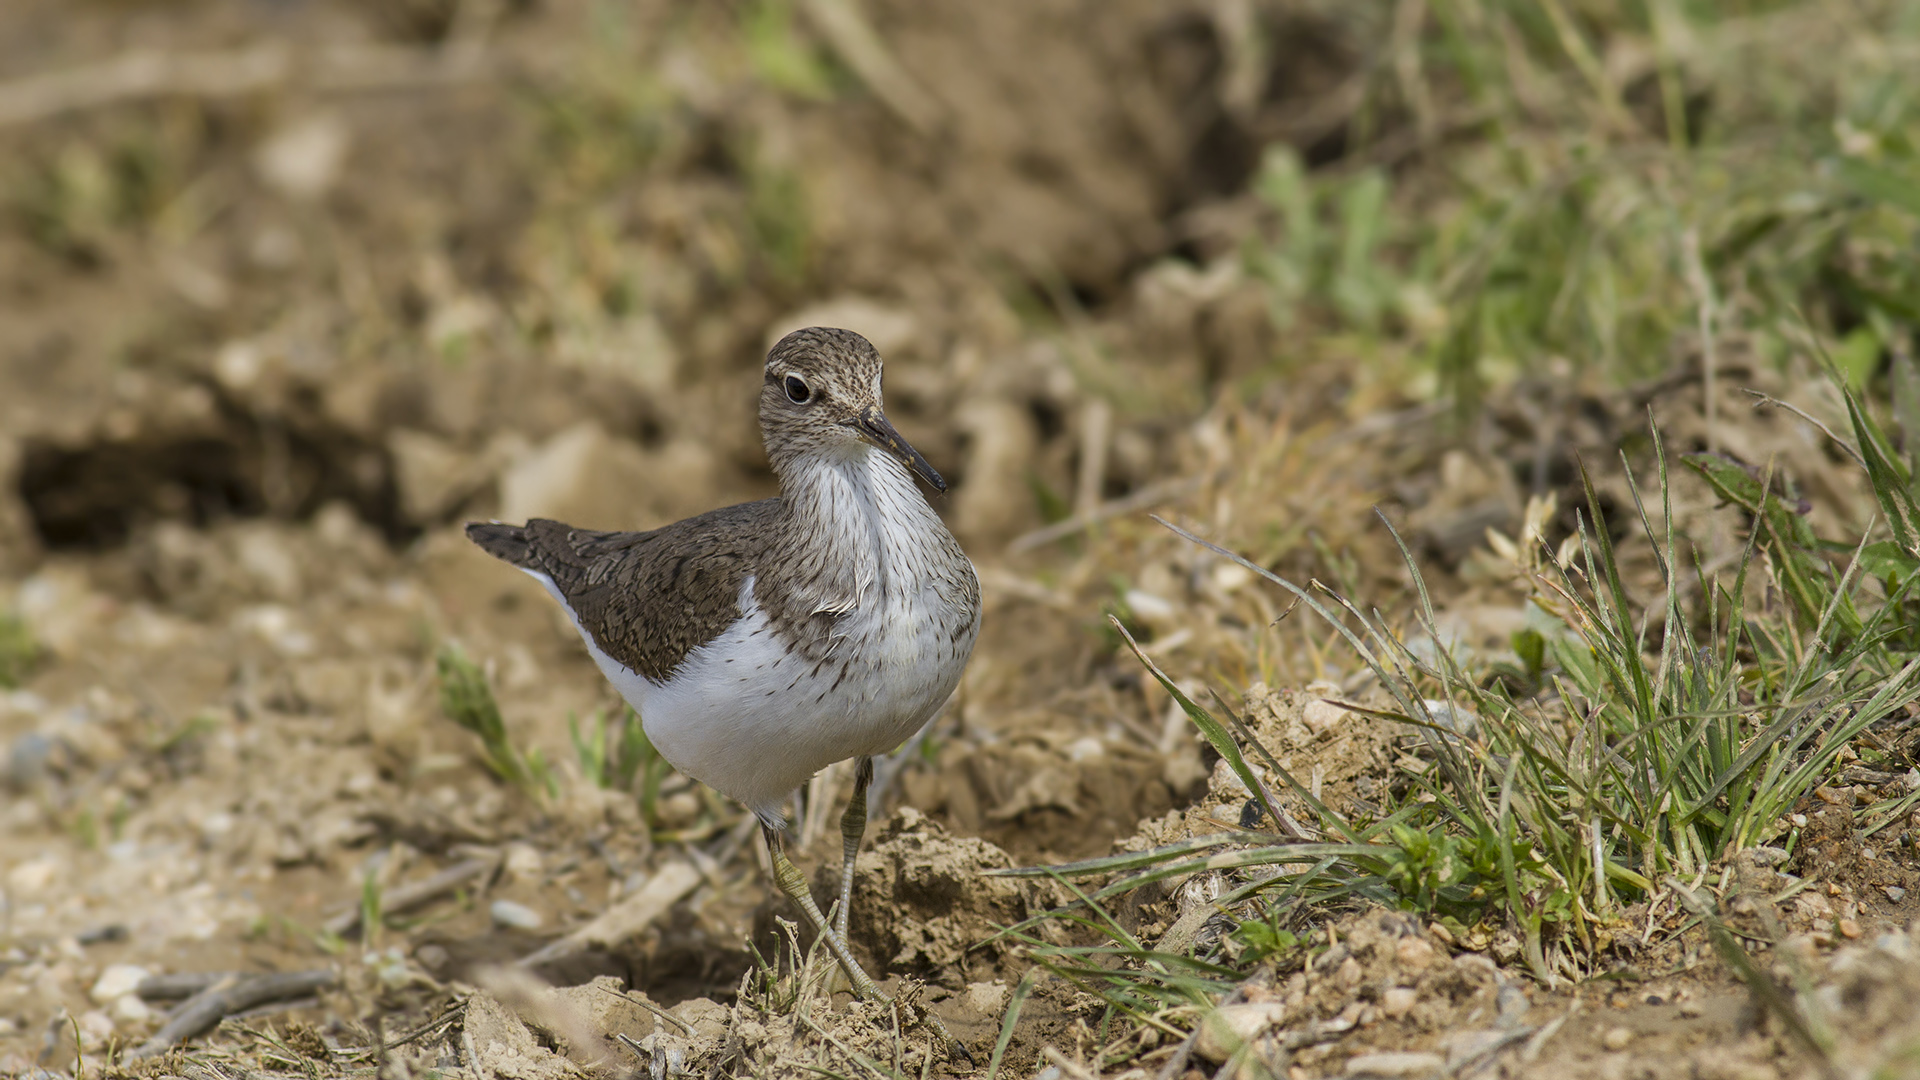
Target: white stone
column 1151, row 609
column 128, row 1009
column 33, row 875
column 303, row 159
column 517, row 916
column 116, row 982
column 1230, row 1027
column 523, row 862
column 96, row 1025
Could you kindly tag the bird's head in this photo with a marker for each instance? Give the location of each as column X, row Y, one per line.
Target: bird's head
column 822, row 396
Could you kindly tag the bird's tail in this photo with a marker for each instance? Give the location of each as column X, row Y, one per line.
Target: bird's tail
column 502, row 541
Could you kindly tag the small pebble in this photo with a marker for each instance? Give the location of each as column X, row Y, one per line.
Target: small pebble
column 1849, row 929
column 1230, row 1027
column 1319, row 715
column 432, row 957
column 96, row 1024
column 1413, row 953
column 1617, row 1038
column 1896, row 894
column 1399, row 1000
column 985, row 998
column 522, row 862
column 517, row 916
column 129, row 1009
column 1690, row 1007
column 116, row 982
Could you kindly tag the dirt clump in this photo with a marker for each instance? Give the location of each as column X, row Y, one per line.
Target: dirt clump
column 926, row 903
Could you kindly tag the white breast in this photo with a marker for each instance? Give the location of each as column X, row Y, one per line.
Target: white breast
column 755, row 721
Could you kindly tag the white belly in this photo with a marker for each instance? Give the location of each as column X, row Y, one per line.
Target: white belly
column 754, row 722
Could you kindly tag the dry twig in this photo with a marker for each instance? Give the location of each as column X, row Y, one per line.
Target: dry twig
column 145, row 73
column 227, row 997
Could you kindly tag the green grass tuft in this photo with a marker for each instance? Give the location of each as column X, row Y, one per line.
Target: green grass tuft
column 1634, row 747
column 1750, row 168
column 466, row 699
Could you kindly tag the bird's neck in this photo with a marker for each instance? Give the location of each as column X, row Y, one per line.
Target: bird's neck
column 855, row 506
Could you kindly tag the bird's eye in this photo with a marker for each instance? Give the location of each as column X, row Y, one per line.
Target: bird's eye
column 797, row 390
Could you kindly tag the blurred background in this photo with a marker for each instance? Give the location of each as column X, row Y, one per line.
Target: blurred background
column 292, row 288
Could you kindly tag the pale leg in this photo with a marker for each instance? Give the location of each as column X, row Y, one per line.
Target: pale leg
column 791, row 882
column 853, row 826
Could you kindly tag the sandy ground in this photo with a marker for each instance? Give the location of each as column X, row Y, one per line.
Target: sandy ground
column 272, row 333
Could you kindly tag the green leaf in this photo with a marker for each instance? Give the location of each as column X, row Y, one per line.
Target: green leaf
column 1885, row 559
column 1215, row 732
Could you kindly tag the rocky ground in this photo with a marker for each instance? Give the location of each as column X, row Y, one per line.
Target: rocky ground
column 294, row 289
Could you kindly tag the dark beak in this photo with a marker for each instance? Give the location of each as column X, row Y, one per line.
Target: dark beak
column 873, row 426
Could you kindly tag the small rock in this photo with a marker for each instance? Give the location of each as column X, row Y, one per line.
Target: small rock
column 1396, row 1064
column 1849, row 929
column 517, row 916
column 116, row 982
column 1414, row 953
column 501, row 1040
column 1617, row 1038
column 1151, row 609
column 522, row 862
column 1690, row 1007
column 705, row 1016
column 33, row 875
column 1896, row 894
column 129, row 1009
column 1468, row 1046
column 303, row 159
column 1230, row 1027
column 1398, row 1001
column 1445, row 935
column 1319, row 715
column 985, row 998
column 1460, row 721
column 95, row 1024
column 1349, row 973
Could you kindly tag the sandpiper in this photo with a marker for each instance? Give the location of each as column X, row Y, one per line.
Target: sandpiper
column 762, row 642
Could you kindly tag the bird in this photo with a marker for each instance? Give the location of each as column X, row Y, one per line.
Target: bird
column 762, row 642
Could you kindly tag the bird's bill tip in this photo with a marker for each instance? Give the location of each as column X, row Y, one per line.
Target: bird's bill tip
column 873, row 426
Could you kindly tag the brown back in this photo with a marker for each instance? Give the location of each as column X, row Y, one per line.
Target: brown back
column 647, row 598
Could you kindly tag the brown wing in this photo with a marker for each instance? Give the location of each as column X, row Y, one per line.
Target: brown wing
column 648, row 598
